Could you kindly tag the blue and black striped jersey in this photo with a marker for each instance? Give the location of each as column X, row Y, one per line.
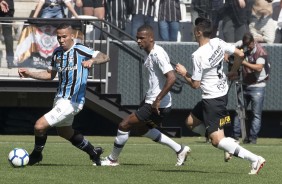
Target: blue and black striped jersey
column 72, row 75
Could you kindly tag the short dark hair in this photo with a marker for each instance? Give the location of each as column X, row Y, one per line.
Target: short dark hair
column 247, row 39
column 146, row 27
column 64, row 26
column 204, row 25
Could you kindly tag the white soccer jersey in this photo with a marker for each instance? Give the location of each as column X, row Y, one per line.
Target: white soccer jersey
column 208, row 67
column 158, row 64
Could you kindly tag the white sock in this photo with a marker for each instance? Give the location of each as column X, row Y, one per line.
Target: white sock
column 200, row 129
column 119, row 143
column 228, row 144
column 159, row 137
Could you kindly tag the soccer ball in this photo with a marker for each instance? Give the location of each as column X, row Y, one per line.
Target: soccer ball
column 18, row 157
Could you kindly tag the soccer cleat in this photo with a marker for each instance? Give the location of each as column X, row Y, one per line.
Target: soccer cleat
column 109, row 162
column 96, row 157
column 35, row 157
column 256, row 166
column 182, row 155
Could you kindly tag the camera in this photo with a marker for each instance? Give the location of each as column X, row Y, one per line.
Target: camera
column 245, row 50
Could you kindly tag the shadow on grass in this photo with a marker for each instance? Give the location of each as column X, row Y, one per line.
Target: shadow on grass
column 127, row 164
column 197, row 171
column 55, row 165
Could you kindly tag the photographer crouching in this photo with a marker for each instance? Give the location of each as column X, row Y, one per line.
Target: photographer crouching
column 255, row 72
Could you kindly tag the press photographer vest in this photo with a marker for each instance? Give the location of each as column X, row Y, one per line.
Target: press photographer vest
column 250, row 76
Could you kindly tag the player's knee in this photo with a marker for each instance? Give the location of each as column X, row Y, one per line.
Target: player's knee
column 189, row 123
column 39, row 129
column 214, row 142
column 124, row 126
column 41, row 126
column 127, row 124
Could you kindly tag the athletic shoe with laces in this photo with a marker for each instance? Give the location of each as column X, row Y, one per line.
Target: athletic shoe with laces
column 35, row 157
column 256, row 166
column 182, row 155
column 96, row 158
column 109, row 162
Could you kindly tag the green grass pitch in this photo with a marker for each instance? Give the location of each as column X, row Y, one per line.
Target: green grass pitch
column 142, row 161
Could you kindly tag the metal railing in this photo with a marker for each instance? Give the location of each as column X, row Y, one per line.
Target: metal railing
column 96, row 34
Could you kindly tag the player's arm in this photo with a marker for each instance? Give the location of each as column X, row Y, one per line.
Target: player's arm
column 170, row 80
column 43, row 75
column 100, row 58
column 181, row 70
column 238, row 59
column 255, row 67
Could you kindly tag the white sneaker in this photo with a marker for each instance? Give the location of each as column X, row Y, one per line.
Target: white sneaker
column 182, row 156
column 108, row 162
column 256, row 166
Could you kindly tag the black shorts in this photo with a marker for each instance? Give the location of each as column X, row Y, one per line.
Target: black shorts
column 146, row 115
column 93, row 3
column 213, row 113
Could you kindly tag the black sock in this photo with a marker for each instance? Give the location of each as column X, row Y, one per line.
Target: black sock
column 39, row 143
column 78, row 141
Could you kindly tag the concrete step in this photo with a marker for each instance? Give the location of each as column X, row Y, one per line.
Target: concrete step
column 23, row 8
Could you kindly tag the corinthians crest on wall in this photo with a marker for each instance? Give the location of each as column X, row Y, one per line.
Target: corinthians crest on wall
column 36, row 45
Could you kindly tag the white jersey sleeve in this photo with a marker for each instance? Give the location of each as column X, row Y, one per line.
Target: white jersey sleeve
column 197, row 69
column 227, row 47
column 163, row 61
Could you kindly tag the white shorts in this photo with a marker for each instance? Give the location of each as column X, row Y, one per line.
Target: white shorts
column 62, row 114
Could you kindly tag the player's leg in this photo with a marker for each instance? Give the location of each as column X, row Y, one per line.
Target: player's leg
column 40, row 128
column 216, row 117
column 78, row 140
column 120, row 140
column 229, row 145
column 180, row 150
column 152, row 120
column 52, row 118
column 195, row 120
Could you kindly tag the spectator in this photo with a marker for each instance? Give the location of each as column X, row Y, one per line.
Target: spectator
column 262, row 26
column 216, row 16
column 94, row 8
column 236, row 15
column 7, row 10
column 142, row 13
column 207, row 9
column 53, row 9
column 117, row 15
column 255, row 74
column 168, row 19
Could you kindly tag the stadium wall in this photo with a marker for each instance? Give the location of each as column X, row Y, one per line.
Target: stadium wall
column 19, row 111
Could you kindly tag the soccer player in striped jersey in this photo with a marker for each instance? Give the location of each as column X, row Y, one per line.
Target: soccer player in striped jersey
column 71, row 62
